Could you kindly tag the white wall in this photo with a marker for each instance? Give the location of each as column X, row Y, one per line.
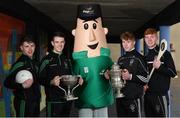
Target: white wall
column 115, row 51
column 175, row 40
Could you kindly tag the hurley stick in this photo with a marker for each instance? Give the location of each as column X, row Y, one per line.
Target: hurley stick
column 163, row 48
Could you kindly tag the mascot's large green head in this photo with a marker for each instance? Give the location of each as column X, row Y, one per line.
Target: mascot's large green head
column 89, row 34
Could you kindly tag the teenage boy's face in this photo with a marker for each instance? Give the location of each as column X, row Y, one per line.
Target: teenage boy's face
column 150, row 40
column 28, row 48
column 58, row 44
column 128, row 45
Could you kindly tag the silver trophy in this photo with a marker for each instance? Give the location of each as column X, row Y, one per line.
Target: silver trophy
column 71, row 83
column 117, row 82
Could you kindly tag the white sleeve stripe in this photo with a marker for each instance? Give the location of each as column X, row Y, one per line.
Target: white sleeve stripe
column 172, row 71
column 151, row 62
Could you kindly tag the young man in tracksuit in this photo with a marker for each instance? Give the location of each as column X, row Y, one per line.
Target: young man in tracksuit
column 134, row 73
column 52, row 67
column 156, row 97
column 26, row 95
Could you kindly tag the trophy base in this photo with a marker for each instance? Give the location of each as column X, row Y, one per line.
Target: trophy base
column 71, row 97
column 119, row 95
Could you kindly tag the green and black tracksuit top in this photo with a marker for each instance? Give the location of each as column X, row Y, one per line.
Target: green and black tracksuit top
column 53, row 65
column 28, row 94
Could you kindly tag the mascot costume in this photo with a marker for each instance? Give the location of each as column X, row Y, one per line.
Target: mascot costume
column 92, row 61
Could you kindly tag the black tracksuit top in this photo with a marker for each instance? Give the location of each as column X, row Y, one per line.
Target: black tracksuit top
column 134, row 62
column 159, row 83
column 30, row 94
column 53, row 65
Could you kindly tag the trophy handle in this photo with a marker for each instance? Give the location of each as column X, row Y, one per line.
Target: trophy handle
column 124, row 82
column 63, row 90
column 74, row 88
column 76, row 85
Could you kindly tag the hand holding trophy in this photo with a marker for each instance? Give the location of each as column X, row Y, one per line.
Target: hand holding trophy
column 117, row 82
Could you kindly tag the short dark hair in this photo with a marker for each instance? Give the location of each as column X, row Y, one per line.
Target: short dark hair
column 27, row 38
column 59, row 34
column 127, row 36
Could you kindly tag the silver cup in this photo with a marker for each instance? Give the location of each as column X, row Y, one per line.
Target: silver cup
column 116, row 81
column 71, row 83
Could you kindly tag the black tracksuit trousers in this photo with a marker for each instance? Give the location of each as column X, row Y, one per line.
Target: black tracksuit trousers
column 156, row 105
column 128, row 107
column 26, row 108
